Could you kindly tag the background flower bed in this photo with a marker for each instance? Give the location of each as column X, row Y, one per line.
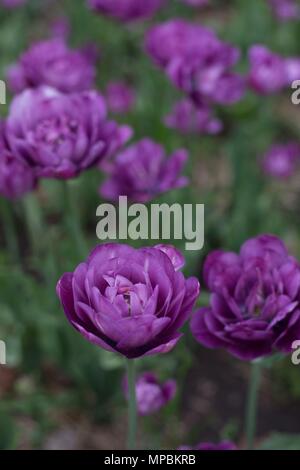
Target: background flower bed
column 59, row 391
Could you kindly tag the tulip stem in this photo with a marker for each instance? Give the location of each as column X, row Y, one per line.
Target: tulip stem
column 132, row 410
column 34, row 222
column 9, row 229
column 73, row 219
column 252, row 402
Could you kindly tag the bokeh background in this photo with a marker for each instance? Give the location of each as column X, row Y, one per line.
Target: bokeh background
column 58, row 391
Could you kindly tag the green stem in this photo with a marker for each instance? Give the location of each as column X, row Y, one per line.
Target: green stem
column 132, row 410
column 73, row 220
column 9, row 230
column 252, row 401
column 34, row 221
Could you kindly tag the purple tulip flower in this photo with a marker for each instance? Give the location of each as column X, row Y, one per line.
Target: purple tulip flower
column 269, row 72
column 205, row 75
column 151, row 395
column 120, row 97
column 254, row 306
column 196, row 61
column 280, row 161
column 16, row 177
column 196, row 3
column 224, row 445
column 12, row 3
column 53, row 64
column 60, row 28
column 175, row 38
column 126, row 10
column 187, row 118
column 129, row 301
column 285, row 9
column 142, row 171
column 292, row 69
column 60, row 135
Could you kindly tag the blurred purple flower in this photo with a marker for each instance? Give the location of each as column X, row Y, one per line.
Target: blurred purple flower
column 174, row 38
column 12, row 3
column 60, row 28
column 280, row 160
column 52, row 63
column 126, row 10
column 212, row 83
column 254, row 306
column 196, row 61
column 197, row 3
column 60, row 135
column 188, row 118
column 129, row 301
column 142, row 171
column 224, row 445
column 16, row 177
column 292, row 69
column 285, row 9
column 151, row 395
column 268, row 73
column 120, row 97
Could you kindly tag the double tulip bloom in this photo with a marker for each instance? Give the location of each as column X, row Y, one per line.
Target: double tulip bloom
column 142, row 171
column 151, row 395
column 285, row 9
column 126, row 10
column 129, row 301
column 12, row 3
column 174, row 38
column 280, row 161
column 187, row 118
column 254, row 307
column 16, row 177
column 196, row 3
column 270, row 72
column 54, row 64
column 224, row 445
column 60, row 135
column 196, row 61
column 120, row 97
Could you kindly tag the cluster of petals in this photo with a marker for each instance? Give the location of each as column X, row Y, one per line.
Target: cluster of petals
column 151, row 394
column 60, row 135
column 196, row 61
column 51, row 62
column 285, row 10
column 16, row 177
column 270, row 72
column 126, row 10
column 281, row 160
column 130, row 301
column 224, row 445
column 254, row 305
column 142, row 171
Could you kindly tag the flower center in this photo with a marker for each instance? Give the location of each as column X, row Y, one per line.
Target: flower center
column 55, row 131
column 129, row 298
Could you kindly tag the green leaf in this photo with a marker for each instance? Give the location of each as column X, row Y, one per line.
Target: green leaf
column 7, row 432
column 280, row 441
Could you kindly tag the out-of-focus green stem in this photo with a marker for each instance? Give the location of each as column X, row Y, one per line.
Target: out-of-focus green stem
column 132, row 410
column 252, row 401
column 35, row 223
column 73, row 220
column 9, row 230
